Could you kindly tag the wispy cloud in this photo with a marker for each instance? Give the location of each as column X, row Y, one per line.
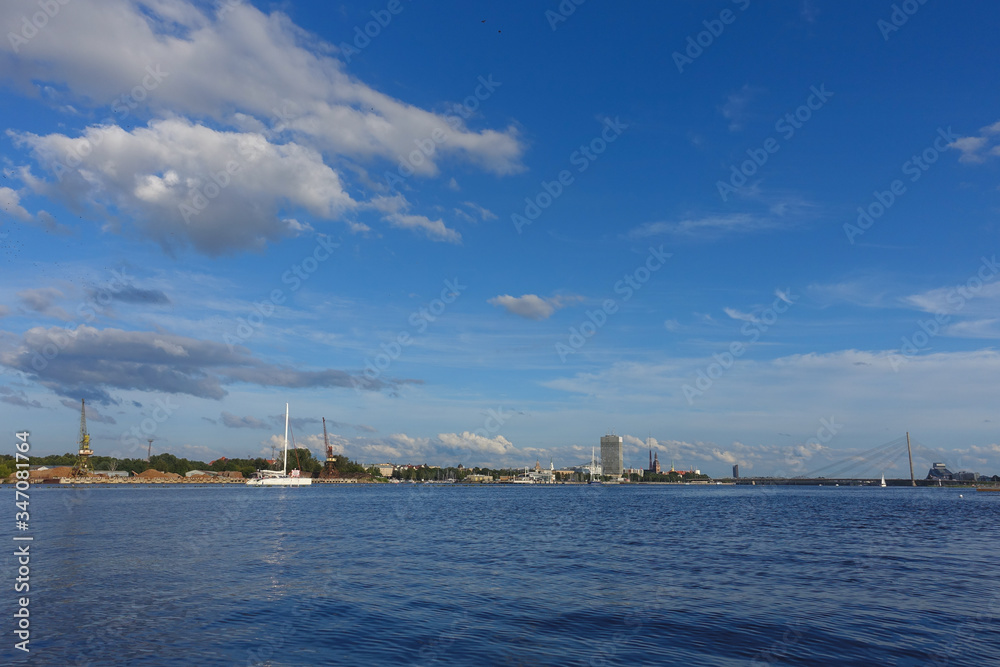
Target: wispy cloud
column 735, row 107
column 709, row 227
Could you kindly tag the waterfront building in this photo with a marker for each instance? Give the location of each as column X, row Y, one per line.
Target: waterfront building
column 612, row 455
column 736, row 471
column 940, row 472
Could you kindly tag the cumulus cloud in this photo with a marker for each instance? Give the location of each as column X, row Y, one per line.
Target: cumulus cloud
column 268, row 97
column 238, row 61
column 90, row 362
column 167, row 176
column 477, row 443
column 976, row 149
column 532, row 306
column 10, row 202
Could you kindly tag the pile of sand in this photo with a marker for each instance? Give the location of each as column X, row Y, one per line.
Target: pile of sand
column 61, row 471
column 156, row 474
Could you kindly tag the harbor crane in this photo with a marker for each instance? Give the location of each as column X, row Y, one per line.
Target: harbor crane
column 83, row 466
column 330, row 460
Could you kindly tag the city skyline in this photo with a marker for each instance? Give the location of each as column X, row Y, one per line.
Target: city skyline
column 750, row 232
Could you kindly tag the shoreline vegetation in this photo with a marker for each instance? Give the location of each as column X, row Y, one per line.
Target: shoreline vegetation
column 166, row 468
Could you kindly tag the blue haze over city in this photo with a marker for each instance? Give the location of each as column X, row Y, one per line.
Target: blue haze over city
column 739, row 232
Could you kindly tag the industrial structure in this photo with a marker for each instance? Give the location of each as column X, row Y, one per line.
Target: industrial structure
column 612, row 455
column 329, row 470
column 83, row 466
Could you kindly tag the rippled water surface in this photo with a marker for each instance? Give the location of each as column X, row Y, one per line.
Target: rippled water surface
column 519, row 575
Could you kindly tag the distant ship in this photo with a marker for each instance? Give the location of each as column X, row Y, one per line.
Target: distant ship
column 282, row 478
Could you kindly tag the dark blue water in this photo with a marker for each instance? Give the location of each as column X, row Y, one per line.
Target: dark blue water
column 514, row 575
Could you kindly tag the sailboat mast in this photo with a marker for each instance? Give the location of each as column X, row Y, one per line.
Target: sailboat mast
column 284, row 465
column 909, row 453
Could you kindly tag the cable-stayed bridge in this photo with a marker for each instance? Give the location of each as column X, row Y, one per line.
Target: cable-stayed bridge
column 903, row 461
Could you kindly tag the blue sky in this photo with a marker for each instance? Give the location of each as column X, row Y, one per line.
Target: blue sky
column 754, row 232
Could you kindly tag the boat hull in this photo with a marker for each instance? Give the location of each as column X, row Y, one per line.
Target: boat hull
column 280, row 481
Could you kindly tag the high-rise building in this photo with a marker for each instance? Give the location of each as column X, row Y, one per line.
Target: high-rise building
column 612, row 455
column 736, row 471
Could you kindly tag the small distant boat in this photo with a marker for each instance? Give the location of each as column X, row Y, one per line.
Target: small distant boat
column 283, row 478
column 883, row 480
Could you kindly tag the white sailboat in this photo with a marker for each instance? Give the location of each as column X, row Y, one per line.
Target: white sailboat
column 883, row 480
column 595, row 470
column 283, row 478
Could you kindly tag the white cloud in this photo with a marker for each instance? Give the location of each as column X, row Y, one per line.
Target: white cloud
column 975, row 149
column 394, row 210
column 167, row 177
column 242, row 64
column 959, row 299
column 739, row 315
column 498, row 445
column 988, row 329
column 709, row 227
column 531, row 306
column 735, row 108
column 10, row 202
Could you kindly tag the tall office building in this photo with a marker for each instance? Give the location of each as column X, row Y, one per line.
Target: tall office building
column 612, row 455
column 736, row 471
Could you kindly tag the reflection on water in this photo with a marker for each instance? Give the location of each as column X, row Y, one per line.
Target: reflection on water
column 519, row 575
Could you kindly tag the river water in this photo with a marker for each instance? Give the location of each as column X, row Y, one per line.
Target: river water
column 514, row 575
